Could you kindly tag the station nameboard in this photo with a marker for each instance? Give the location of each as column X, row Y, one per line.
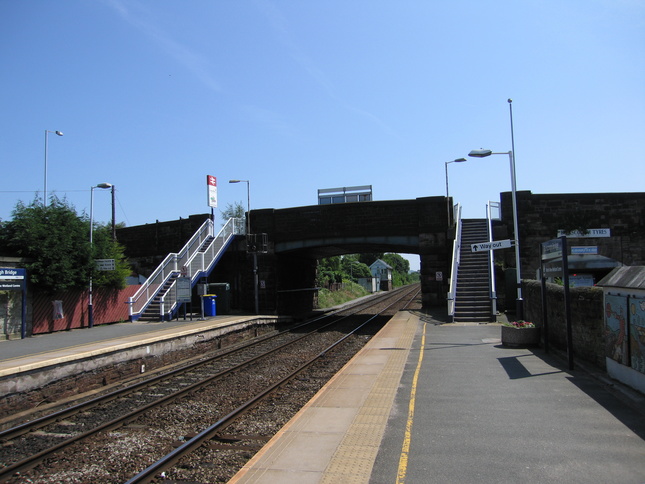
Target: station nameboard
column 12, row 279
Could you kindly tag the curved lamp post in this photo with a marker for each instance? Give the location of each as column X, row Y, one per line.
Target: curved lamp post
column 90, row 308
column 248, row 236
column 481, row 153
column 58, row 133
column 458, row 160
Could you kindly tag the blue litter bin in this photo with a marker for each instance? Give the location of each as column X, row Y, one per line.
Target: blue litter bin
column 209, row 305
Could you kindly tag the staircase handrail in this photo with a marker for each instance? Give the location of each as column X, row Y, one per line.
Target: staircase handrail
column 194, row 260
column 455, row 261
column 165, row 269
column 200, row 263
column 491, row 258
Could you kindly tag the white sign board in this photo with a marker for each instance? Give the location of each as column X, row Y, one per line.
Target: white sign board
column 211, row 183
column 105, row 264
column 497, row 244
column 589, row 233
column 552, row 249
column 184, row 289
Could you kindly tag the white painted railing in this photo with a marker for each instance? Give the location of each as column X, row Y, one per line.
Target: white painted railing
column 456, row 249
column 491, row 257
column 194, row 260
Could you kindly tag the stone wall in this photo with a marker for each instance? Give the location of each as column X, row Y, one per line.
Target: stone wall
column 540, row 216
column 587, row 318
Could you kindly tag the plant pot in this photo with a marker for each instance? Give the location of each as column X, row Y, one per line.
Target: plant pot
column 520, row 336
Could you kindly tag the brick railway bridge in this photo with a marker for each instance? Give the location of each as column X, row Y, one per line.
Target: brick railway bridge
column 297, row 237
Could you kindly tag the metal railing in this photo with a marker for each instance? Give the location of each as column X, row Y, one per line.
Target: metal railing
column 195, row 259
column 491, row 256
column 456, row 249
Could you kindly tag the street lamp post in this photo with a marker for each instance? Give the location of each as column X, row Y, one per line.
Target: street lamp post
column 90, row 308
column 248, row 241
column 58, row 133
column 481, row 153
column 458, row 160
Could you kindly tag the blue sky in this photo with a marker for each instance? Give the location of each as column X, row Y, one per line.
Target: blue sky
column 153, row 95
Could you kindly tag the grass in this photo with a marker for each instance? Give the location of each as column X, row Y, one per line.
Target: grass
column 350, row 291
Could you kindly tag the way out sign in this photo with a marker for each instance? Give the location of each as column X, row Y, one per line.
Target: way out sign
column 497, row 244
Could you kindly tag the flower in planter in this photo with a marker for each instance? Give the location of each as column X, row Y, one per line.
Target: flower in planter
column 521, row 324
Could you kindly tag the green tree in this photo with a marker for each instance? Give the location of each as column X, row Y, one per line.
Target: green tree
column 233, row 211
column 353, row 269
column 400, row 269
column 104, row 247
column 54, row 240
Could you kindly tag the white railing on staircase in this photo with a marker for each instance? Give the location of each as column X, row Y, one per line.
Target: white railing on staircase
column 456, row 249
column 491, row 257
column 195, row 259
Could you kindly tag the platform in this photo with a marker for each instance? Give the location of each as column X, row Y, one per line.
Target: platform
column 423, row 402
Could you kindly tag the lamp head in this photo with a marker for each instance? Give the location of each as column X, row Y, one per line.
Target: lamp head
column 59, row 133
column 460, row 160
column 234, row 181
column 104, row 185
column 481, row 153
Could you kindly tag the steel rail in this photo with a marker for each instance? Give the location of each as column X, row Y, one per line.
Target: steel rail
column 48, row 419
column 31, row 461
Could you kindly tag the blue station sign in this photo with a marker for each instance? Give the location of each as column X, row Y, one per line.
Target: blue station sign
column 12, row 279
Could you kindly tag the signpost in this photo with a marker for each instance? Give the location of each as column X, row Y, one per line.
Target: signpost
column 211, row 187
column 554, row 255
column 184, row 293
column 105, row 264
column 497, row 244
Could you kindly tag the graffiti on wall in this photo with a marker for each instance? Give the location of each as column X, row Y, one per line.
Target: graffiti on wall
column 616, row 329
column 625, row 330
column 637, row 333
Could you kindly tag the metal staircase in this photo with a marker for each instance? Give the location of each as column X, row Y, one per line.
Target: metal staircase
column 472, row 299
column 157, row 298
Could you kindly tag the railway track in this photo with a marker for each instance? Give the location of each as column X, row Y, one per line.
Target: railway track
column 165, row 415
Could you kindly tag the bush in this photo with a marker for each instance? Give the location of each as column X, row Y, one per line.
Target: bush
column 350, row 291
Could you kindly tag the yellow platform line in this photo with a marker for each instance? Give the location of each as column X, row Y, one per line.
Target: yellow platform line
column 407, row 440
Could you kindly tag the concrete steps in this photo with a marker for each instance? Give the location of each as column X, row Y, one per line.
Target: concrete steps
column 472, row 298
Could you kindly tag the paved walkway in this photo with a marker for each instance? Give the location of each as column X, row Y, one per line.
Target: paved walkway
column 431, row 403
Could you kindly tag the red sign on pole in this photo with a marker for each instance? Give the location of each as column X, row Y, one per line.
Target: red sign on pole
column 212, row 190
